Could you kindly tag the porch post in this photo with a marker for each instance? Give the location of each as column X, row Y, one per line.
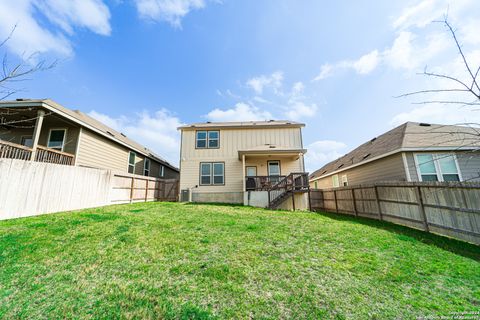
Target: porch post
column 36, row 133
column 243, row 171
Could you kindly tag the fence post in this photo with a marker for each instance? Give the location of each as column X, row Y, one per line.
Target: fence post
column 418, row 192
column 335, row 197
column 354, row 203
column 146, row 190
column 378, row 204
column 132, row 185
column 309, row 200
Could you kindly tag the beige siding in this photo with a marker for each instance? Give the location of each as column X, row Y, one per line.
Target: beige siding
column 387, row 169
column 232, row 140
column 98, row 152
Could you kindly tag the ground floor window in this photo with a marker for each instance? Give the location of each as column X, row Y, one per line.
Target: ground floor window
column 335, row 181
column 146, row 167
column 344, row 180
column 161, row 173
column 212, row 173
column 437, row 167
column 27, row 141
column 56, row 139
column 131, row 162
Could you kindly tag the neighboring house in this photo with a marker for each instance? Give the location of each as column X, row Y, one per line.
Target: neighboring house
column 410, row 152
column 258, row 163
column 44, row 131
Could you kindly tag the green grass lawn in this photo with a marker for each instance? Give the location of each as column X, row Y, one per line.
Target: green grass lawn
column 169, row 260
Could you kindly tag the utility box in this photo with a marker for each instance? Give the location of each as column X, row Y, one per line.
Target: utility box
column 185, row 195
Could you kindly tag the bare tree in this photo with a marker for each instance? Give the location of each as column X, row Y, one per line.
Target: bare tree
column 13, row 72
column 470, row 87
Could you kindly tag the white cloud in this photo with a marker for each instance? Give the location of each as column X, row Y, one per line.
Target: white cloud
column 65, row 16
column 440, row 114
column 171, row 11
column 321, row 152
column 273, row 81
column 414, row 45
column 157, row 131
column 240, row 112
column 364, row 65
column 298, row 110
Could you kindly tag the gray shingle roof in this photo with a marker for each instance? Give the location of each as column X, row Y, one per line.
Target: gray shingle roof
column 410, row 135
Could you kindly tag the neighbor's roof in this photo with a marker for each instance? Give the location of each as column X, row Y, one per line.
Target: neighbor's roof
column 88, row 122
column 244, row 124
column 410, row 136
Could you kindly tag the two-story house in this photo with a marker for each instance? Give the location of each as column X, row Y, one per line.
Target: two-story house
column 258, row 163
column 45, row 131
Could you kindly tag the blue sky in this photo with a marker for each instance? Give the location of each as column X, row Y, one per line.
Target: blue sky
column 147, row 66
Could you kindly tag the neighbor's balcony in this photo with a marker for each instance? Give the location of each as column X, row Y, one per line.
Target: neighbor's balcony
column 43, row 154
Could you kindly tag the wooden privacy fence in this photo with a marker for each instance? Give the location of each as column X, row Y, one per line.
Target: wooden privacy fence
column 134, row 188
column 29, row 188
column 451, row 209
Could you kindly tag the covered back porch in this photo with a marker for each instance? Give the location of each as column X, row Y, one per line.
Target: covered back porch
column 35, row 135
column 272, row 174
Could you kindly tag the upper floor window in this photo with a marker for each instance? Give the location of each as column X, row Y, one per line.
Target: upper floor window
column 131, row 162
column 437, row 167
column 207, row 139
column 56, row 139
column 146, row 167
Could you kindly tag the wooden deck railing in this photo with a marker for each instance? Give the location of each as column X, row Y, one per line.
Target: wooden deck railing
column 262, row 183
column 16, row 151
column 45, row 154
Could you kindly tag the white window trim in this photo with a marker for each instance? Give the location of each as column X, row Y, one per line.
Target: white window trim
column 344, row 180
column 212, row 174
column 134, row 161
column 207, row 139
column 279, row 168
column 65, row 130
column 162, row 171
column 436, row 157
column 333, row 181
column 145, row 167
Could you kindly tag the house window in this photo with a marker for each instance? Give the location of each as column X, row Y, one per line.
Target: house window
column 146, row 167
column 212, row 173
column 131, row 162
column 162, row 171
column 335, row 182
column 316, row 185
column 273, row 168
column 56, row 139
column 251, row 171
column 213, row 137
column 27, row 141
column 344, row 180
column 437, row 167
column 207, row 139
